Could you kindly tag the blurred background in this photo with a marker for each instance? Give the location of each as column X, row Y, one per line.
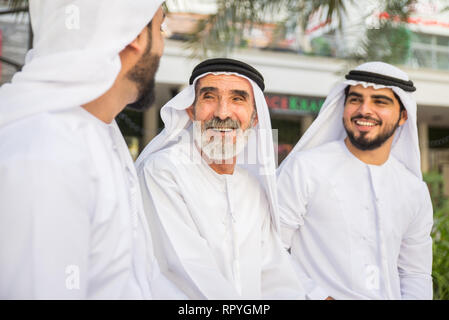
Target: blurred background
column 302, row 48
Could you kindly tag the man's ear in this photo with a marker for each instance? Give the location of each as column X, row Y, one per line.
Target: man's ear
column 404, row 117
column 190, row 112
column 140, row 42
column 256, row 121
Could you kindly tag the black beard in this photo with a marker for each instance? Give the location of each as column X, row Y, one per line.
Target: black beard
column 363, row 144
column 143, row 74
column 146, row 98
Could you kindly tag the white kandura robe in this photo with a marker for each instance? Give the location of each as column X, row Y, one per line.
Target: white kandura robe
column 71, row 219
column 356, row 231
column 212, row 233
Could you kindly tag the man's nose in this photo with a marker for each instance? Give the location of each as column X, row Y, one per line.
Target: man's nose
column 365, row 107
column 223, row 110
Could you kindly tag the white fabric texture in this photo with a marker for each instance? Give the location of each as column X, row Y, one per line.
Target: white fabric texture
column 75, row 55
column 212, row 233
column 342, row 217
column 356, row 231
column 71, row 219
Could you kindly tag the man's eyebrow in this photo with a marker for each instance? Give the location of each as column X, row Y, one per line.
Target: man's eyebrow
column 242, row 93
column 355, row 94
column 208, row 89
column 381, row 96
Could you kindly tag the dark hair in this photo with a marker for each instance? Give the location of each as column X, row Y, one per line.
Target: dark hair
column 196, row 93
column 346, row 92
column 400, row 102
column 401, row 105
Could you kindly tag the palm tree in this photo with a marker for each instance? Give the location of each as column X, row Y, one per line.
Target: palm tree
column 391, row 38
column 222, row 32
column 15, row 7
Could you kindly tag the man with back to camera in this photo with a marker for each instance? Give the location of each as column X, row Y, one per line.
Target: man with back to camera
column 71, row 218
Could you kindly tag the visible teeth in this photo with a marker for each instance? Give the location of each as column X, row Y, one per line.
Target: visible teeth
column 222, row 129
column 364, row 123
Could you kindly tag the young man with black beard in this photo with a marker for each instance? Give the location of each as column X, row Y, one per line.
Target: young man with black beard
column 381, row 97
column 354, row 209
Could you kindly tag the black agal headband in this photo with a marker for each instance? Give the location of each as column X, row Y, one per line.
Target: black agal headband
column 380, row 79
column 228, row 65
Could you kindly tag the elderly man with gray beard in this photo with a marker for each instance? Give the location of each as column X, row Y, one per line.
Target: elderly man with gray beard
column 208, row 183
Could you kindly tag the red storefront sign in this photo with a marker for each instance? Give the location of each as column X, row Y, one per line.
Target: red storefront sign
column 294, row 103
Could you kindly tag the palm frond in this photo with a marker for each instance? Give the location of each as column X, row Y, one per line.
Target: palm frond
column 223, row 31
column 390, row 40
column 17, row 4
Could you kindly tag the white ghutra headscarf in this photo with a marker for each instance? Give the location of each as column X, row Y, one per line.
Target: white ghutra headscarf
column 75, row 56
column 329, row 124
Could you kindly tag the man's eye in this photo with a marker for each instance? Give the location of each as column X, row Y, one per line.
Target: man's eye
column 380, row 101
column 238, row 99
column 354, row 100
column 164, row 29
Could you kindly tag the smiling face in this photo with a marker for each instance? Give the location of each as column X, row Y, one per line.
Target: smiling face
column 371, row 116
column 224, row 108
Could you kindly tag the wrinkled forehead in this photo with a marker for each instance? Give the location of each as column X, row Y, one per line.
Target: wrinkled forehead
column 224, row 82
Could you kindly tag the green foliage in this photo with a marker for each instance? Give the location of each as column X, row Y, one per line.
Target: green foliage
column 440, row 236
column 221, row 33
column 390, row 40
column 321, row 47
column 390, row 43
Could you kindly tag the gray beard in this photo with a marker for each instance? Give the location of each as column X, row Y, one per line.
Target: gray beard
column 218, row 147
